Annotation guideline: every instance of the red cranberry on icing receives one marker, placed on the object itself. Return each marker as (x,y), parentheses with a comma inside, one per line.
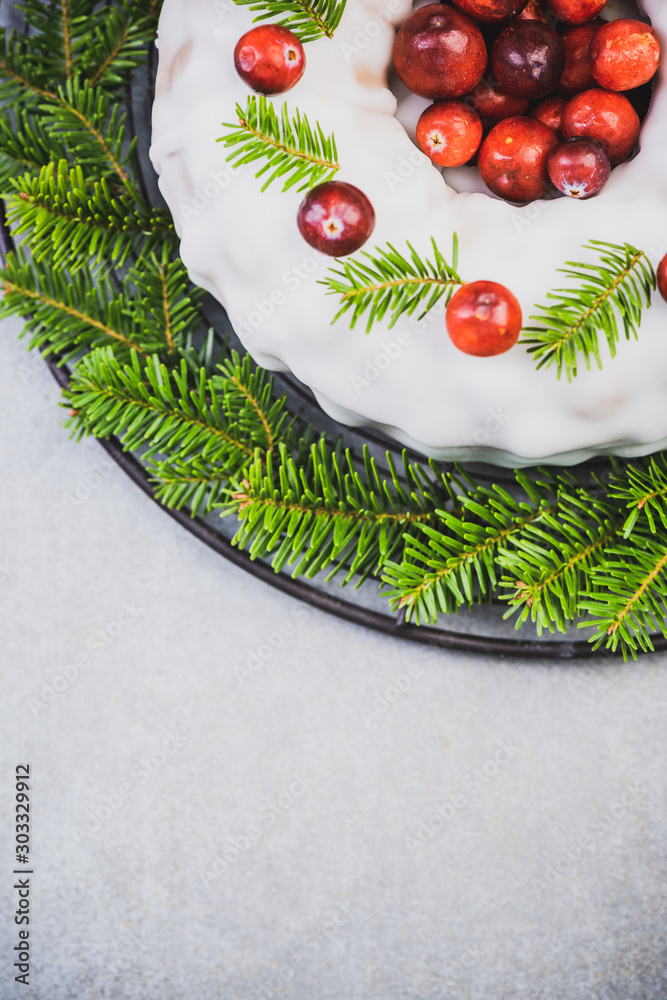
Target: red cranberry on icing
(576,11)
(605,116)
(579,167)
(578,75)
(528,58)
(549,111)
(270,59)
(483,319)
(449,132)
(336,218)
(490,11)
(513,158)
(492,103)
(439,52)
(662,277)
(624,54)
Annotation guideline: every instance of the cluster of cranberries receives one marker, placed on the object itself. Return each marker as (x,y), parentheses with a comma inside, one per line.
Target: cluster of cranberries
(552,108)
(441,54)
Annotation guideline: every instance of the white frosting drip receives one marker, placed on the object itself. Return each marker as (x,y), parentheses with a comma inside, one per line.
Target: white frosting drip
(244,247)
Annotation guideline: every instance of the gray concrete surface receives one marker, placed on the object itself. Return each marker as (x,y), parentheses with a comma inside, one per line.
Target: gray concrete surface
(206,831)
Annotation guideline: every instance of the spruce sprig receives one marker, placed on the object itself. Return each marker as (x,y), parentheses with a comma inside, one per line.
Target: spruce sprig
(643,489)
(67,313)
(323,510)
(607,298)
(25,147)
(455,563)
(308,19)
(388,281)
(75,223)
(294,151)
(549,564)
(629,600)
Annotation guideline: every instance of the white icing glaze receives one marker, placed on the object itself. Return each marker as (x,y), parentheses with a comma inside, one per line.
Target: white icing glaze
(244,247)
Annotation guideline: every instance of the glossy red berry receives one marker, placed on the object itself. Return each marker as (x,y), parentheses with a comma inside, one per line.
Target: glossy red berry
(578,75)
(270,59)
(483,319)
(336,218)
(492,103)
(576,11)
(624,54)
(549,111)
(605,116)
(579,167)
(513,159)
(439,52)
(662,277)
(449,132)
(528,58)
(490,11)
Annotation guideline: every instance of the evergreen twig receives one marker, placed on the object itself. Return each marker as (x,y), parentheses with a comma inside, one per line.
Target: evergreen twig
(308,19)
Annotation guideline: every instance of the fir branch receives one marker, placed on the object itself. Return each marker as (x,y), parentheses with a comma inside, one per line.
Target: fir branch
(390,282)
(308,19)
(456,562)
(643,488)
(293,150)
(118,45)
(74,223)
(67,313)
(616,289)
(198,485)
(25,146)
(172,411)
(23,78)
(549,564)
(320,511)
(629,602)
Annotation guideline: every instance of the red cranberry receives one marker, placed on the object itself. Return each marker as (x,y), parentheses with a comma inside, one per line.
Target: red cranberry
(449,132)
(579,167)
(439,52)
(528,58)
(483,319)
(513,159)
(576,11)
(270,59)
(662,277)
(336,218)
(578,75)
(624,54)
(549,111)
(492,103)
(533,11)
(490,11)
(607,117)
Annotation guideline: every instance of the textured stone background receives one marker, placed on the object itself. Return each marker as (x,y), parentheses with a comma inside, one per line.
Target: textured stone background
(201,833)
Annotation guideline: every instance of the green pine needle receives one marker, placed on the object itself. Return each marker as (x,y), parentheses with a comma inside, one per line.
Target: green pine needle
(606,298)
(321,511)
(293,150)
(391,282)
(308,20)
(74,223)
(643,488)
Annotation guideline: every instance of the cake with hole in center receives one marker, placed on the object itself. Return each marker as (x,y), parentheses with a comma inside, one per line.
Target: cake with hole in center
(447,221)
